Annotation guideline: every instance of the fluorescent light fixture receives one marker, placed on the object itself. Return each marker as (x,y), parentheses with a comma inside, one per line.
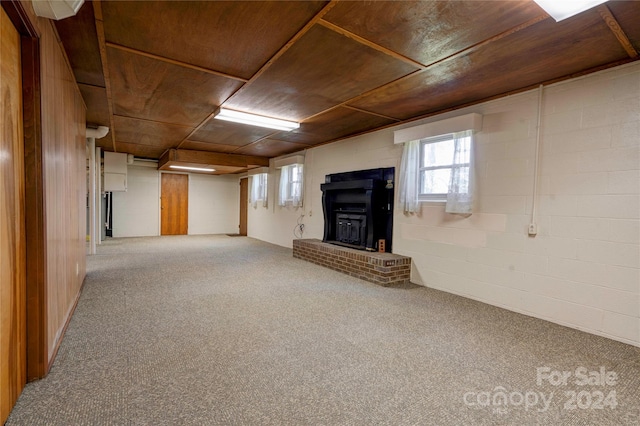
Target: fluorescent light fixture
(563,9)
(195,169)
(256,120)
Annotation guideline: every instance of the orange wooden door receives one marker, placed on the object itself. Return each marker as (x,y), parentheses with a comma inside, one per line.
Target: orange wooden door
(244,202)
(174,204)
(12,218)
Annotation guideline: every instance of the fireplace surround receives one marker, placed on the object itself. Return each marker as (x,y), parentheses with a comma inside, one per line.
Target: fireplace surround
(358,209)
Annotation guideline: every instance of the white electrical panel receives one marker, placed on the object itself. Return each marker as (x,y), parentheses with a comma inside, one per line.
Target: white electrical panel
(115,172)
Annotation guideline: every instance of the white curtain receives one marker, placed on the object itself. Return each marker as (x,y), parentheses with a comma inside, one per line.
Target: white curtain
(258,190)
(460,194)
(283,189)
(410,177)
(297,185)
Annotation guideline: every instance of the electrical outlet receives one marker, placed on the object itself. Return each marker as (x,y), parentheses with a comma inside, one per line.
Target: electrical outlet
(533,229)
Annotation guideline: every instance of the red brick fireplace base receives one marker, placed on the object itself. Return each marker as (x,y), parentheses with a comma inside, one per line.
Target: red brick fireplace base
(385,269)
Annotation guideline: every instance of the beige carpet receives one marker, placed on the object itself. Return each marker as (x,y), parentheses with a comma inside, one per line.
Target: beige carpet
(211,330)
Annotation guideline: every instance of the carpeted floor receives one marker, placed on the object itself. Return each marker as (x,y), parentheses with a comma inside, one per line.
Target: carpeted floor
(214,330)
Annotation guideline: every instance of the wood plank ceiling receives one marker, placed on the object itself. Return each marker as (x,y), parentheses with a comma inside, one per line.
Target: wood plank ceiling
(156,71)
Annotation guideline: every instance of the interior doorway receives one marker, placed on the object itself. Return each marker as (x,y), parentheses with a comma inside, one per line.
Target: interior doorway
(244,204)
(174,204)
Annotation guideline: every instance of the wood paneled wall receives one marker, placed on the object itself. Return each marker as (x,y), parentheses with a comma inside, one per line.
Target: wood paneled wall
(55,167)
(12,228)
(64,162)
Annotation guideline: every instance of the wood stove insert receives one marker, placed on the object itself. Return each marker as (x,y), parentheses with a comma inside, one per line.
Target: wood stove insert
(358,208)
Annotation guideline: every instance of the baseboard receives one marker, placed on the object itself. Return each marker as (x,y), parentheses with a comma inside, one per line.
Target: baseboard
(52,358)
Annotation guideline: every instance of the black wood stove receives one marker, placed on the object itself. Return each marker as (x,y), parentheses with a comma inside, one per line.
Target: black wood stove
(358,208)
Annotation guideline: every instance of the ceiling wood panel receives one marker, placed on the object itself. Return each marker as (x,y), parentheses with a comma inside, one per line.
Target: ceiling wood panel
(105,143)
(141,151)
(332,125)
(321,70)
(95,98)
(209,147)
(628,16)
(229,133)
(431,30)
(81,45)
(342,68)
(270,148)
(236,38)
(148,133)
(155,90)
(543,52)
(183,156)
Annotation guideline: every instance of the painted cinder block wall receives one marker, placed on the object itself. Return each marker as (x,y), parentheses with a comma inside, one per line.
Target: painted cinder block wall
(213,204)
(582,269)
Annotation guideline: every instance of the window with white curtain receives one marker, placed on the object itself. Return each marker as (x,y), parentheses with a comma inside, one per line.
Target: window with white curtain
(291,185)
(436,165)
(438,168)
(258,193)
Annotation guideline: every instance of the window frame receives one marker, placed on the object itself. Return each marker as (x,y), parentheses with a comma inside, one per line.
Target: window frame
(435,197)
(292,171)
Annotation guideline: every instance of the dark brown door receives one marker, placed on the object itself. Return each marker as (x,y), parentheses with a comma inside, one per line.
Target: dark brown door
(13,358)
(244,202)
(174,204)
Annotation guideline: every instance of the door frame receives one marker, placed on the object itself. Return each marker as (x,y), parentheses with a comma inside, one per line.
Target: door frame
(35,220)
(243,205)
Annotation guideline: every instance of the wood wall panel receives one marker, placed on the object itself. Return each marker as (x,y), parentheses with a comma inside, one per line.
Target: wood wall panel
(63,146)
(12,229)
(55,189)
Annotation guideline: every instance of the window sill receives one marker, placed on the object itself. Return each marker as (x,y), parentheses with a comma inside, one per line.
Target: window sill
(433,200)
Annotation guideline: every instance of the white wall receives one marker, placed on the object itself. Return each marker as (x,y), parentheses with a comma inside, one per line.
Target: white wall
(135,212)
(213,204)
(273,223)
(583,267)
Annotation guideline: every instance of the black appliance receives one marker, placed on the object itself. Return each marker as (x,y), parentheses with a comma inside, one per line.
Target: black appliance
(358,208)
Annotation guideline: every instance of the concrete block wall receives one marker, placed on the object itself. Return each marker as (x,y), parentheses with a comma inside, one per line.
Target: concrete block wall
(582,269)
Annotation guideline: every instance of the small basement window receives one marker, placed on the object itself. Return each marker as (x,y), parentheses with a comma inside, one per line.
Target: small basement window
(437,164)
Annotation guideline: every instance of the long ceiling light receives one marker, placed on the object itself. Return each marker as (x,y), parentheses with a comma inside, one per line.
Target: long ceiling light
(563,9)
(255,120)
(195,169)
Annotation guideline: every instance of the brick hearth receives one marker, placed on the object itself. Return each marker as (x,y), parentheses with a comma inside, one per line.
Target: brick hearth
(385,269)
